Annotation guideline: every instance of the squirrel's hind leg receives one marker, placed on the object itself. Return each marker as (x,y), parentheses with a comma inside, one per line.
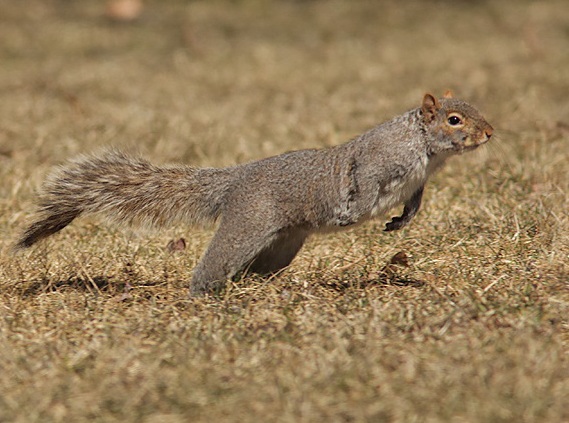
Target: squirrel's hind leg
(279,253)
(237,245)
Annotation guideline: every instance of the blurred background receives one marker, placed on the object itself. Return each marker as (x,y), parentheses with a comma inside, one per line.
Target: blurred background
(219,82)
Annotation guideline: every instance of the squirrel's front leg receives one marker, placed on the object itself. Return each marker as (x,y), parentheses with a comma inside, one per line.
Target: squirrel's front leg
(411,207)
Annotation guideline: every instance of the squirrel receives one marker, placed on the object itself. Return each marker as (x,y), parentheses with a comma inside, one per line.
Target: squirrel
(267,208)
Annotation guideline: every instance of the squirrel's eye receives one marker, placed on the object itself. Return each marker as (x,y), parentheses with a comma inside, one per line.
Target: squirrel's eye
(454,120)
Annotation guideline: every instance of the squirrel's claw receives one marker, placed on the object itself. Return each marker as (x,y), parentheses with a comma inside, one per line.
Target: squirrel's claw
(396,223)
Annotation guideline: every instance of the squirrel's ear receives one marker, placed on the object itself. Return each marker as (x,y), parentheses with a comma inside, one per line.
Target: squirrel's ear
(448,94)
(430,107)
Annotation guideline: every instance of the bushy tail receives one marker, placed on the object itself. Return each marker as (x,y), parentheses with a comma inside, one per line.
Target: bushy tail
(129,191)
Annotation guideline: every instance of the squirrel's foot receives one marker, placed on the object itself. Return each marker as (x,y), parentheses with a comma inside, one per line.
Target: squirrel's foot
(396,223)
(201,288)
(409,211)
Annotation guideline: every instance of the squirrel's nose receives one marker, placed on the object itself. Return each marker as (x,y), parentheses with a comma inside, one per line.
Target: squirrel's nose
(489,131)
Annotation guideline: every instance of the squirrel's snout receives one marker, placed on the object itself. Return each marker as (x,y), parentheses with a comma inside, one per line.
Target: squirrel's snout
(488,131)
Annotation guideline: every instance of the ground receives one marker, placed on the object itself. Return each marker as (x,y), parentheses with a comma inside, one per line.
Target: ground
(470,324)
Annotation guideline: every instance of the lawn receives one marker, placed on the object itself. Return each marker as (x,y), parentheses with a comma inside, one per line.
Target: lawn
(473,326)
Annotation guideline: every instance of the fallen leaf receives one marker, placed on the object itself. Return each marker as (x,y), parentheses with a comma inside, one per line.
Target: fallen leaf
(178,245)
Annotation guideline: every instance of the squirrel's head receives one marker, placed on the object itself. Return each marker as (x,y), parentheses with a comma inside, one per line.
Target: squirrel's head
(455,126)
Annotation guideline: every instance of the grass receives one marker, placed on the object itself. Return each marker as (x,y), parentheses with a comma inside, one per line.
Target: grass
(95,323)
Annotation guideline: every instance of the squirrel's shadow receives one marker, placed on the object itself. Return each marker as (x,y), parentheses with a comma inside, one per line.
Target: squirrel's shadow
(378,281)
(397,281)
(95,284)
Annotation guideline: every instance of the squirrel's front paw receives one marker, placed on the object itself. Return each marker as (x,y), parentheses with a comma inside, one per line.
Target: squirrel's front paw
(396,223)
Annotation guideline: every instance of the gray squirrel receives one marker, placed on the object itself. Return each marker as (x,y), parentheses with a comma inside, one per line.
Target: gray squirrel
(267,208)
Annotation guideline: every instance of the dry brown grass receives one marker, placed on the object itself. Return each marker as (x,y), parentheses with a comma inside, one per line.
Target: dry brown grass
(95,324)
